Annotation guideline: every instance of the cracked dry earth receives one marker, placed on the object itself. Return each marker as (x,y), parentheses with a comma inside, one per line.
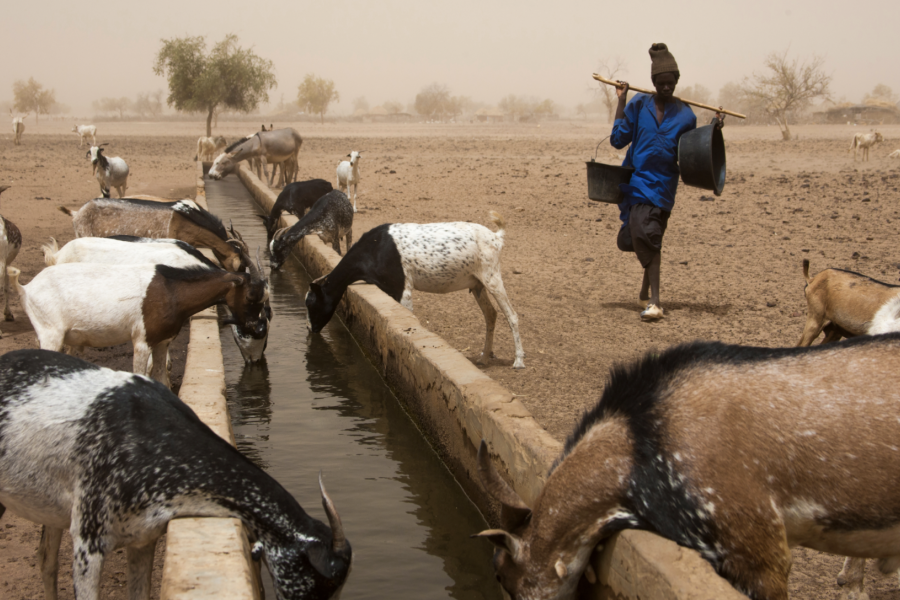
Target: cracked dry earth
(731,266)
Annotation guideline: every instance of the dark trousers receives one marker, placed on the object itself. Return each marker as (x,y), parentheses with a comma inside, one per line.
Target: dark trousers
(644,232)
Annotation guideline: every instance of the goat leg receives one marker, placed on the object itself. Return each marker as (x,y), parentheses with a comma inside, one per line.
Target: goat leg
(490,320)
(2,510)
(48,559)
(495,286)
(87,566)
(140,567)
(852,579)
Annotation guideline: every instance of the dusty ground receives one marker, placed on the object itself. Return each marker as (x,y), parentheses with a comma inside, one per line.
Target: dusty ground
(731,265)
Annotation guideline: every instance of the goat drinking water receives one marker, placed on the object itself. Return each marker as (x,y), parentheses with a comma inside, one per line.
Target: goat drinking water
(437,258)
(113,457)
(296,198)
(331,218)
(739,453)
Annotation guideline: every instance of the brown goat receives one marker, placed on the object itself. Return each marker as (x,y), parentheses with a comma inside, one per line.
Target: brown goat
(181,220)
(739,453)
(847,304)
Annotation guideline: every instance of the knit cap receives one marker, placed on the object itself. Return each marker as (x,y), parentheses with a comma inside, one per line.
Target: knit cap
(661,60)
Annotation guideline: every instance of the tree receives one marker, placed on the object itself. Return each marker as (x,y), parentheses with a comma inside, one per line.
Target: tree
(881,93)
(434,101)
(697,93)
(393,107)
(315,94)
(611,68)
(545,108)
(149,103)
(230,76)
(360,104)
(518,106)
(30,96)
(788,85)
(113,105)
(581,110)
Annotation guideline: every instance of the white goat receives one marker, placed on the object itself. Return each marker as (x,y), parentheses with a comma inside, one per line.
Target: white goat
(174,253)
(864,141)
(434,257)
(10,244)
(84,131)
(146,304)
(110,172)
(18,127)
(894,154)
(348,174)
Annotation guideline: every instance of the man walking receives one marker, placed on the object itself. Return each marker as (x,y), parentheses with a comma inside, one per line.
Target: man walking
(652,125)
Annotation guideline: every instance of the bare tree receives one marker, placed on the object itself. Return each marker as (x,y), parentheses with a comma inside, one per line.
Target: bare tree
(434,101)
(697,93)
(788,85)
(113,105)
(30,96)
(609,68)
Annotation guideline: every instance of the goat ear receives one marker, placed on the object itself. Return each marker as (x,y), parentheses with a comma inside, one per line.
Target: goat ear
(256,552)
(503,540)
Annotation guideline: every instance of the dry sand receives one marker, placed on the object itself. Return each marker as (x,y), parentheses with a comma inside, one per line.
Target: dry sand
(731,265)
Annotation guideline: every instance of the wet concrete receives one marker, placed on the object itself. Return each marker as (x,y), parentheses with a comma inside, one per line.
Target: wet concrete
(317,403)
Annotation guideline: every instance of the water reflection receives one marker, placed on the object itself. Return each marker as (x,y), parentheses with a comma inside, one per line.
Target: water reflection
(317,403)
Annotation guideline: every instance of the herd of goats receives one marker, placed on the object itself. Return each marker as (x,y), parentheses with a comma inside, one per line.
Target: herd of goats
(737,452)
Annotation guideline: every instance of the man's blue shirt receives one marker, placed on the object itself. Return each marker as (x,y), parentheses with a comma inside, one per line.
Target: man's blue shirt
(653,152)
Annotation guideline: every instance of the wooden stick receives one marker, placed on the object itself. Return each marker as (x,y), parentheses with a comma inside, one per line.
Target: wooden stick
(616,84)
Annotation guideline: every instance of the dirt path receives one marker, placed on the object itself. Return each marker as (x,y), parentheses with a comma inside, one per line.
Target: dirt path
(731,265)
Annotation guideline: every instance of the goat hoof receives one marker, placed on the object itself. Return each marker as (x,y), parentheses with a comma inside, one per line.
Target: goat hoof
(519,364)
(9,317)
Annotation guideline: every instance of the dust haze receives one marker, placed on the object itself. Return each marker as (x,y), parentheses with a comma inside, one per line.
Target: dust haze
(389,50)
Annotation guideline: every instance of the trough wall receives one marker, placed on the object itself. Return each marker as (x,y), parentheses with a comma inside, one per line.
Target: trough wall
(207,557)
(456,405)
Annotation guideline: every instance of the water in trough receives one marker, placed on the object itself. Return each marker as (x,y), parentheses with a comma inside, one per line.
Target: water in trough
(316,403)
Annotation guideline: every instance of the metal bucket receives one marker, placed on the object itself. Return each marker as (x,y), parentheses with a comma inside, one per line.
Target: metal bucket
(701,158)
(604,180)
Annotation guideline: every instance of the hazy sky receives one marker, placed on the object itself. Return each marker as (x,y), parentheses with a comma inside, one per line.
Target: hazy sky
(390,49)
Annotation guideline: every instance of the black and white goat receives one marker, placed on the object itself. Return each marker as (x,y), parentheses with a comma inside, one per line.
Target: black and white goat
(113,457)
(296,199)
(10,244)
(739,453)
(146,304)
(110,172)
(435,257)
(331,218)
(348,174)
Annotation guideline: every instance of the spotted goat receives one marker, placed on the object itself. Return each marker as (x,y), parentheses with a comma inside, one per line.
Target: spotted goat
(435,257)
(134,457)
(331,218)
(739,453)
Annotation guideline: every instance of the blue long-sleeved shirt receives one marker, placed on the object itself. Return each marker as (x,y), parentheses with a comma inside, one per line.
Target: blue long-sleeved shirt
(653,152)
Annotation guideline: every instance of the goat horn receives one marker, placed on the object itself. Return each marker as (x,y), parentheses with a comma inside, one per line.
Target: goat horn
(339,542)
(513,511)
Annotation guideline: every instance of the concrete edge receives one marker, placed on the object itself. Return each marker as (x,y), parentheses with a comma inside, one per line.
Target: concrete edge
(434,381)
(207,557)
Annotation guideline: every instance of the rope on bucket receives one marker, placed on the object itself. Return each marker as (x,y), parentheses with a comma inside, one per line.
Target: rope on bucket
(598,148)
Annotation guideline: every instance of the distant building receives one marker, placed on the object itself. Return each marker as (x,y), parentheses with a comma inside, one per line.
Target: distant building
(490,115)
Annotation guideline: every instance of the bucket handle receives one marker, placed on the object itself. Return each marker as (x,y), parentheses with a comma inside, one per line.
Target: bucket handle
(593,159)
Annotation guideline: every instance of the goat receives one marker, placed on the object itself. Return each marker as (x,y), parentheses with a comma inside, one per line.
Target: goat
(437,258)
(18,127)
(894,154)
(848,304)
(182,220)
(864,141)
(331,217)
(114,457)
(735,452)
(110,172)
(209,147)
(10,244)
(84,131)
(296,198)
(145,304)
(348,174)
(127,250)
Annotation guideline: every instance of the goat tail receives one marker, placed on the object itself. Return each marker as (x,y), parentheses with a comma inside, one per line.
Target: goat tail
(66,211)
(498,221)
(806,270)
(50,251)
(13,274)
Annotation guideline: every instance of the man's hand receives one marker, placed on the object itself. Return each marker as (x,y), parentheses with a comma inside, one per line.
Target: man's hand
(622,92)
(719,120)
